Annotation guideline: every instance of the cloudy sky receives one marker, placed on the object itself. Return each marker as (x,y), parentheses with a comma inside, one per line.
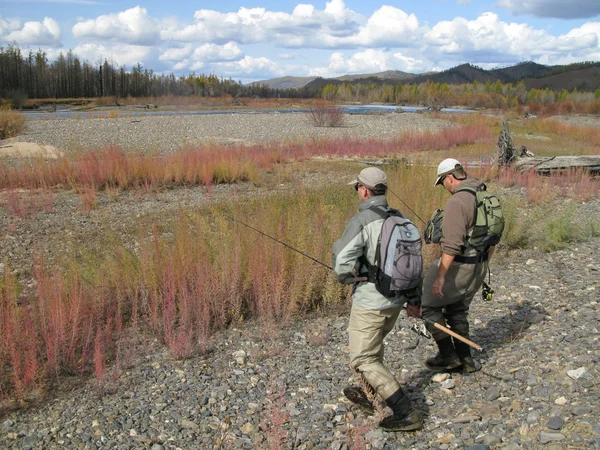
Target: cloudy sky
(260,39)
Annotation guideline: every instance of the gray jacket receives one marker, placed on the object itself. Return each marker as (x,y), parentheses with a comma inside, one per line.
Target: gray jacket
(360,238)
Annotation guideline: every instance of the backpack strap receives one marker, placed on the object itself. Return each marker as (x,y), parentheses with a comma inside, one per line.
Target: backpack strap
(481,187)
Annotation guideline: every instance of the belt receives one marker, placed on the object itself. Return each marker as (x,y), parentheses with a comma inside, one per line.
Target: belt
(471,259)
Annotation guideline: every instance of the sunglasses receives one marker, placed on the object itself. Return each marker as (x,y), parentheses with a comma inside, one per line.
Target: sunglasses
(356,186)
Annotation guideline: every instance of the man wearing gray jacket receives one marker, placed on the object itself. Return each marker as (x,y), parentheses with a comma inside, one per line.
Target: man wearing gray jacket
(372,316)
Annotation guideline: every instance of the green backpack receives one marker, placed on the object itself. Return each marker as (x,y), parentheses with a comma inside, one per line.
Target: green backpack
(489,220)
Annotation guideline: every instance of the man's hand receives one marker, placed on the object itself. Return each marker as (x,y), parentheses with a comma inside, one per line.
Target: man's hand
(413,311)
(438,286)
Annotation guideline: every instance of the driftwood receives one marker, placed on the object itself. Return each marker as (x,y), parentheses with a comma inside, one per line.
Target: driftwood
(547,165)
(524,160)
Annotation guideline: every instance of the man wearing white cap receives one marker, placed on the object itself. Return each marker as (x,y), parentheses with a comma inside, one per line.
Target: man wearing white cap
(453,280)
(373,315)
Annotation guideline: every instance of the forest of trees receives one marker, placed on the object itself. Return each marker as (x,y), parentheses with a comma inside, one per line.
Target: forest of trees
(33,76)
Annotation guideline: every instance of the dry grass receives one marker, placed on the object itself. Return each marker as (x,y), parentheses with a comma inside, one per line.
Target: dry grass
(198,271)
(12,123)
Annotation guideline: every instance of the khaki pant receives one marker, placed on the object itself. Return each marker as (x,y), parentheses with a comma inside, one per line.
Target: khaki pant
(366,331)
(462,282)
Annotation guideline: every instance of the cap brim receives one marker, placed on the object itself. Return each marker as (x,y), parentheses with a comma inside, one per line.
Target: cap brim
(438,179)
(353,181)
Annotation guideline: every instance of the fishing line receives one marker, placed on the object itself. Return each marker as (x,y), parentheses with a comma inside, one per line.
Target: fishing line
(278,241)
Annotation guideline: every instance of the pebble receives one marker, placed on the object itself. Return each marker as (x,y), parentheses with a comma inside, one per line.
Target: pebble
(581,410)
(492,393)
(546,437)
(448,384)
(440,377)
(556,423)
(577,373)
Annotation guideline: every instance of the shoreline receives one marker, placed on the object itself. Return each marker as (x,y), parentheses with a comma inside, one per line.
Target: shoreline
(169,133)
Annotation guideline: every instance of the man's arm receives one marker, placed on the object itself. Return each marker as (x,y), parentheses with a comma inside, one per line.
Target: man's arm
(346,252)
(438,285)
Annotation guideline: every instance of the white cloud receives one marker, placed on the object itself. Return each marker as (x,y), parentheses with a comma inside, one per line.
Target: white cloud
(249,67)
(487,39)
(46,32)
(558,9)
(368,61)
(133,26)
(306,26)
(213,52)
(195,58)
(176,53)
(389,26)
(122,54)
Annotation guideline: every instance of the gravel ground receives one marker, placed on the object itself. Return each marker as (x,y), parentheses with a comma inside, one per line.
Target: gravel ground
(271,387)
(280,387)
(157,132)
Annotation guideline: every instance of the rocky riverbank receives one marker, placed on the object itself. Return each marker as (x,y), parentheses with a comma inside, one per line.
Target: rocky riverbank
(170,132)
(280,387)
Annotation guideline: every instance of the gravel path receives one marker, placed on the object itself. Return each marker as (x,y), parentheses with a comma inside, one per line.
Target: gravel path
(157,132)
(281,387)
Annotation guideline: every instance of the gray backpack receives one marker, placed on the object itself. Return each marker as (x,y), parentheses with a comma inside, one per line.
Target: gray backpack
(398,268)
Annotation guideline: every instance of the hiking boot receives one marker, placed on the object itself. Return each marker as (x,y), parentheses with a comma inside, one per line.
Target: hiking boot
(409,422)
(468,364)
(404,417)
(446,359)
(439,362)
(358,397)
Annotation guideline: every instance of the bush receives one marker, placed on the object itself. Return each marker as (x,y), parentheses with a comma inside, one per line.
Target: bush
(322,115)
(12,123)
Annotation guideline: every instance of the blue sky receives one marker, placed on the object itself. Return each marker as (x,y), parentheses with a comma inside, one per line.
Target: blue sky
(262,39)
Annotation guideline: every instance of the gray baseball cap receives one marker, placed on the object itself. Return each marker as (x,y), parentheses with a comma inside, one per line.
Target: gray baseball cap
(370,177)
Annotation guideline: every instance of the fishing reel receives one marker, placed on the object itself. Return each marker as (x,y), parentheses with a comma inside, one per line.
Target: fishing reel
(487,293)
(421,330)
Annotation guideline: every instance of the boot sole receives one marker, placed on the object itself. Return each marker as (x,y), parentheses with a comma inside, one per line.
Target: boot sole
(363,403)
(448,367)
(411,427)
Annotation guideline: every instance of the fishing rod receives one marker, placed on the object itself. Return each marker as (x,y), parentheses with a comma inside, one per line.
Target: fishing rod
(278,241)
(411,210)
(423,333)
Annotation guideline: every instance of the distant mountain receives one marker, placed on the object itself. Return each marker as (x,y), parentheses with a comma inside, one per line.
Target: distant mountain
(465,73)
(585,79)
(286,82)
(386,75)
(583,76)
(522,70)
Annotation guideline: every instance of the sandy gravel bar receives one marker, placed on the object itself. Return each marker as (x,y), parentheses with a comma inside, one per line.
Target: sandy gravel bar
(168,133)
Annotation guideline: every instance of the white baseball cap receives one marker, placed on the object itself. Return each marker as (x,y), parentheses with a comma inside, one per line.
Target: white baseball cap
(446,167)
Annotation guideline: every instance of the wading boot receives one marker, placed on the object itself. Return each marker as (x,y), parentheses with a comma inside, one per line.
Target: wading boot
(357,396)
(464,354)
(468,364)
(404,417)
(446,359)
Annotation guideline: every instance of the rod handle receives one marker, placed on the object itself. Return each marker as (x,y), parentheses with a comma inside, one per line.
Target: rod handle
(458,336)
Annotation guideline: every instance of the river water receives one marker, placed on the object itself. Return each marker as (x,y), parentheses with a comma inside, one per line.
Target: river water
(67,112)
